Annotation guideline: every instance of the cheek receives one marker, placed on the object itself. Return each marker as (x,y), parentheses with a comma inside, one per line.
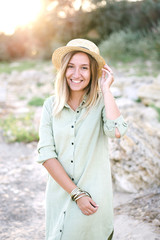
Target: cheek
(88,76)
(67,74)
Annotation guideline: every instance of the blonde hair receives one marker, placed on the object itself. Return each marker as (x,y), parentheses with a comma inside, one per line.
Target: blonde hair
(62,89)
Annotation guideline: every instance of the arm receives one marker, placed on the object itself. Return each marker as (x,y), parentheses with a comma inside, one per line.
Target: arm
(58,173)
(56,170)
(111,109)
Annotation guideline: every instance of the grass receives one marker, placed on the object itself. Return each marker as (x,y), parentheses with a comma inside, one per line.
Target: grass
(16,66)
(21,65)
(36,101)
(138,100)
(19,129)
(157,110)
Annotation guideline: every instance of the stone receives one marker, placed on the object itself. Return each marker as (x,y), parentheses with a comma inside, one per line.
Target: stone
(136,165)
(116,92)
(150,93)
(3,93)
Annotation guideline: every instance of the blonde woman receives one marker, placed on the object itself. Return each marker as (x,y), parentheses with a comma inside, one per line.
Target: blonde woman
(73,145)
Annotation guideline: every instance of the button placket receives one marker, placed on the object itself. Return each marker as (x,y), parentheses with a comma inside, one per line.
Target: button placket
(73,127)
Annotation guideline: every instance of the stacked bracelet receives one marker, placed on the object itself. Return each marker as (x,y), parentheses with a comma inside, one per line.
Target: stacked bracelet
(77,193)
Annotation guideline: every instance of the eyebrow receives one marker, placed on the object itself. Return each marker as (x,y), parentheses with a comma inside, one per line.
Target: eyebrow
(84,64)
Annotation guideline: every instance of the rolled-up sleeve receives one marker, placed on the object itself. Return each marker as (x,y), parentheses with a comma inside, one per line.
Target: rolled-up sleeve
(110,126)
(46,145)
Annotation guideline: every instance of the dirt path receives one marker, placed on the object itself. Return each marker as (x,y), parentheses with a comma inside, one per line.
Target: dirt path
(22,200)
(22,193)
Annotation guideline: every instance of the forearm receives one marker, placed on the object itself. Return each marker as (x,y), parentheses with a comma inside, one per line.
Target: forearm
(112,111)
(58,173)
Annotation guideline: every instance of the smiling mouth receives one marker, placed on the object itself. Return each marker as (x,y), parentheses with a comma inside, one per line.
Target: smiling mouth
(76,81)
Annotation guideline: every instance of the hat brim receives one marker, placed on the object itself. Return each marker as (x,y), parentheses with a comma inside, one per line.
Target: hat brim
(59,53)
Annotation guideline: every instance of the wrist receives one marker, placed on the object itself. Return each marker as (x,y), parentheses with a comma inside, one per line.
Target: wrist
(77,193)
(106,91)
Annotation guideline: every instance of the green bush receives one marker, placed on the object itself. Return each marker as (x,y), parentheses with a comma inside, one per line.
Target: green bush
(19,129)
(36,101)
(127,45)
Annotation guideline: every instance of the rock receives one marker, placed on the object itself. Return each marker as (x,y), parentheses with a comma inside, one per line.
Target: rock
(156,222)
(136,165)
(116,92)
(125,103)
(3,93)
(131,93)
(150,93)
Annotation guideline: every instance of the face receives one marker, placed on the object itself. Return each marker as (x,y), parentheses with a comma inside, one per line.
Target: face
(78,72)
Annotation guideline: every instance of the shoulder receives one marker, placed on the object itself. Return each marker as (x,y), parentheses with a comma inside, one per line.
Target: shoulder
(49,100)
(48,103)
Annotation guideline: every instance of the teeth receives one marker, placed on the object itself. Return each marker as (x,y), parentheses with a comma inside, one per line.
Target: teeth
(75,81)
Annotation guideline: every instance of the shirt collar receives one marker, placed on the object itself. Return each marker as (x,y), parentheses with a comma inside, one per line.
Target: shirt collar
(81,104)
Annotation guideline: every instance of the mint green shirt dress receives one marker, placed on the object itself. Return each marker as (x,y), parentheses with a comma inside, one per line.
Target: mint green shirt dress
(80,143)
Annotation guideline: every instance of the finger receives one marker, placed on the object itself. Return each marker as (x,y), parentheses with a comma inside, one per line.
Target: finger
(92,209)
(110,75)
(88,212)
(107,71)
(93,204)
(107,67)
(85,212)
(103,74)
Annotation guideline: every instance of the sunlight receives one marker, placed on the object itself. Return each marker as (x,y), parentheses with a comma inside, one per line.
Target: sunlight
(87,6)
(16,13)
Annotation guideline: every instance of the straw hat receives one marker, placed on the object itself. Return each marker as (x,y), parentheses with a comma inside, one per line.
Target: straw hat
(78,45)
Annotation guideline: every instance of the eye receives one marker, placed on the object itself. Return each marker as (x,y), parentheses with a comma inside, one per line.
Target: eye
(69,66)
(85,68)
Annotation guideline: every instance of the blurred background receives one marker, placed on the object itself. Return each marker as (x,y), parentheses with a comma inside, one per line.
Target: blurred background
(128,35)
(123,29)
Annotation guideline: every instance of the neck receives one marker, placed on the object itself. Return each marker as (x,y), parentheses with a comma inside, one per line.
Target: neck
(76,96)
(75,99)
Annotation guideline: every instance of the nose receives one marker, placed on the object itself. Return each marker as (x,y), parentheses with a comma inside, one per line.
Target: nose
(76,73)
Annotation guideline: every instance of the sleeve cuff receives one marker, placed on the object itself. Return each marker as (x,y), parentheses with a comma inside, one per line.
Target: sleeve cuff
(46,153)
(111,125)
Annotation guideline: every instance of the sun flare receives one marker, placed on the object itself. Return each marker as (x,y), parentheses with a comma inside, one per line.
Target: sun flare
(16,13)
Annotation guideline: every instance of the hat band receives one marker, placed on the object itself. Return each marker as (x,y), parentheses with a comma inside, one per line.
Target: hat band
(84,47)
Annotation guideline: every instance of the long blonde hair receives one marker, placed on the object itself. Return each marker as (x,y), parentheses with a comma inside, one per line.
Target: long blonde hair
(62,89)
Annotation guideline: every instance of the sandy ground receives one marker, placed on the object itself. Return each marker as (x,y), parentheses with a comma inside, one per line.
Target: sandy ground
(22,200)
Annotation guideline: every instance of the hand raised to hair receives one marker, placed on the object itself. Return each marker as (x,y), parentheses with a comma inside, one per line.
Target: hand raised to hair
(87,205)
(106,79)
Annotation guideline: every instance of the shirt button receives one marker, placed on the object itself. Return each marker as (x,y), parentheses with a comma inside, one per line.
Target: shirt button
(77,111)
(72,143)
(124,124)
(115,123)
(60,230)
(71,161)
(72,126)
(72,179)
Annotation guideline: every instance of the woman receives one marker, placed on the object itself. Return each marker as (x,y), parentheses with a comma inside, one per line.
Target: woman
(73,145)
